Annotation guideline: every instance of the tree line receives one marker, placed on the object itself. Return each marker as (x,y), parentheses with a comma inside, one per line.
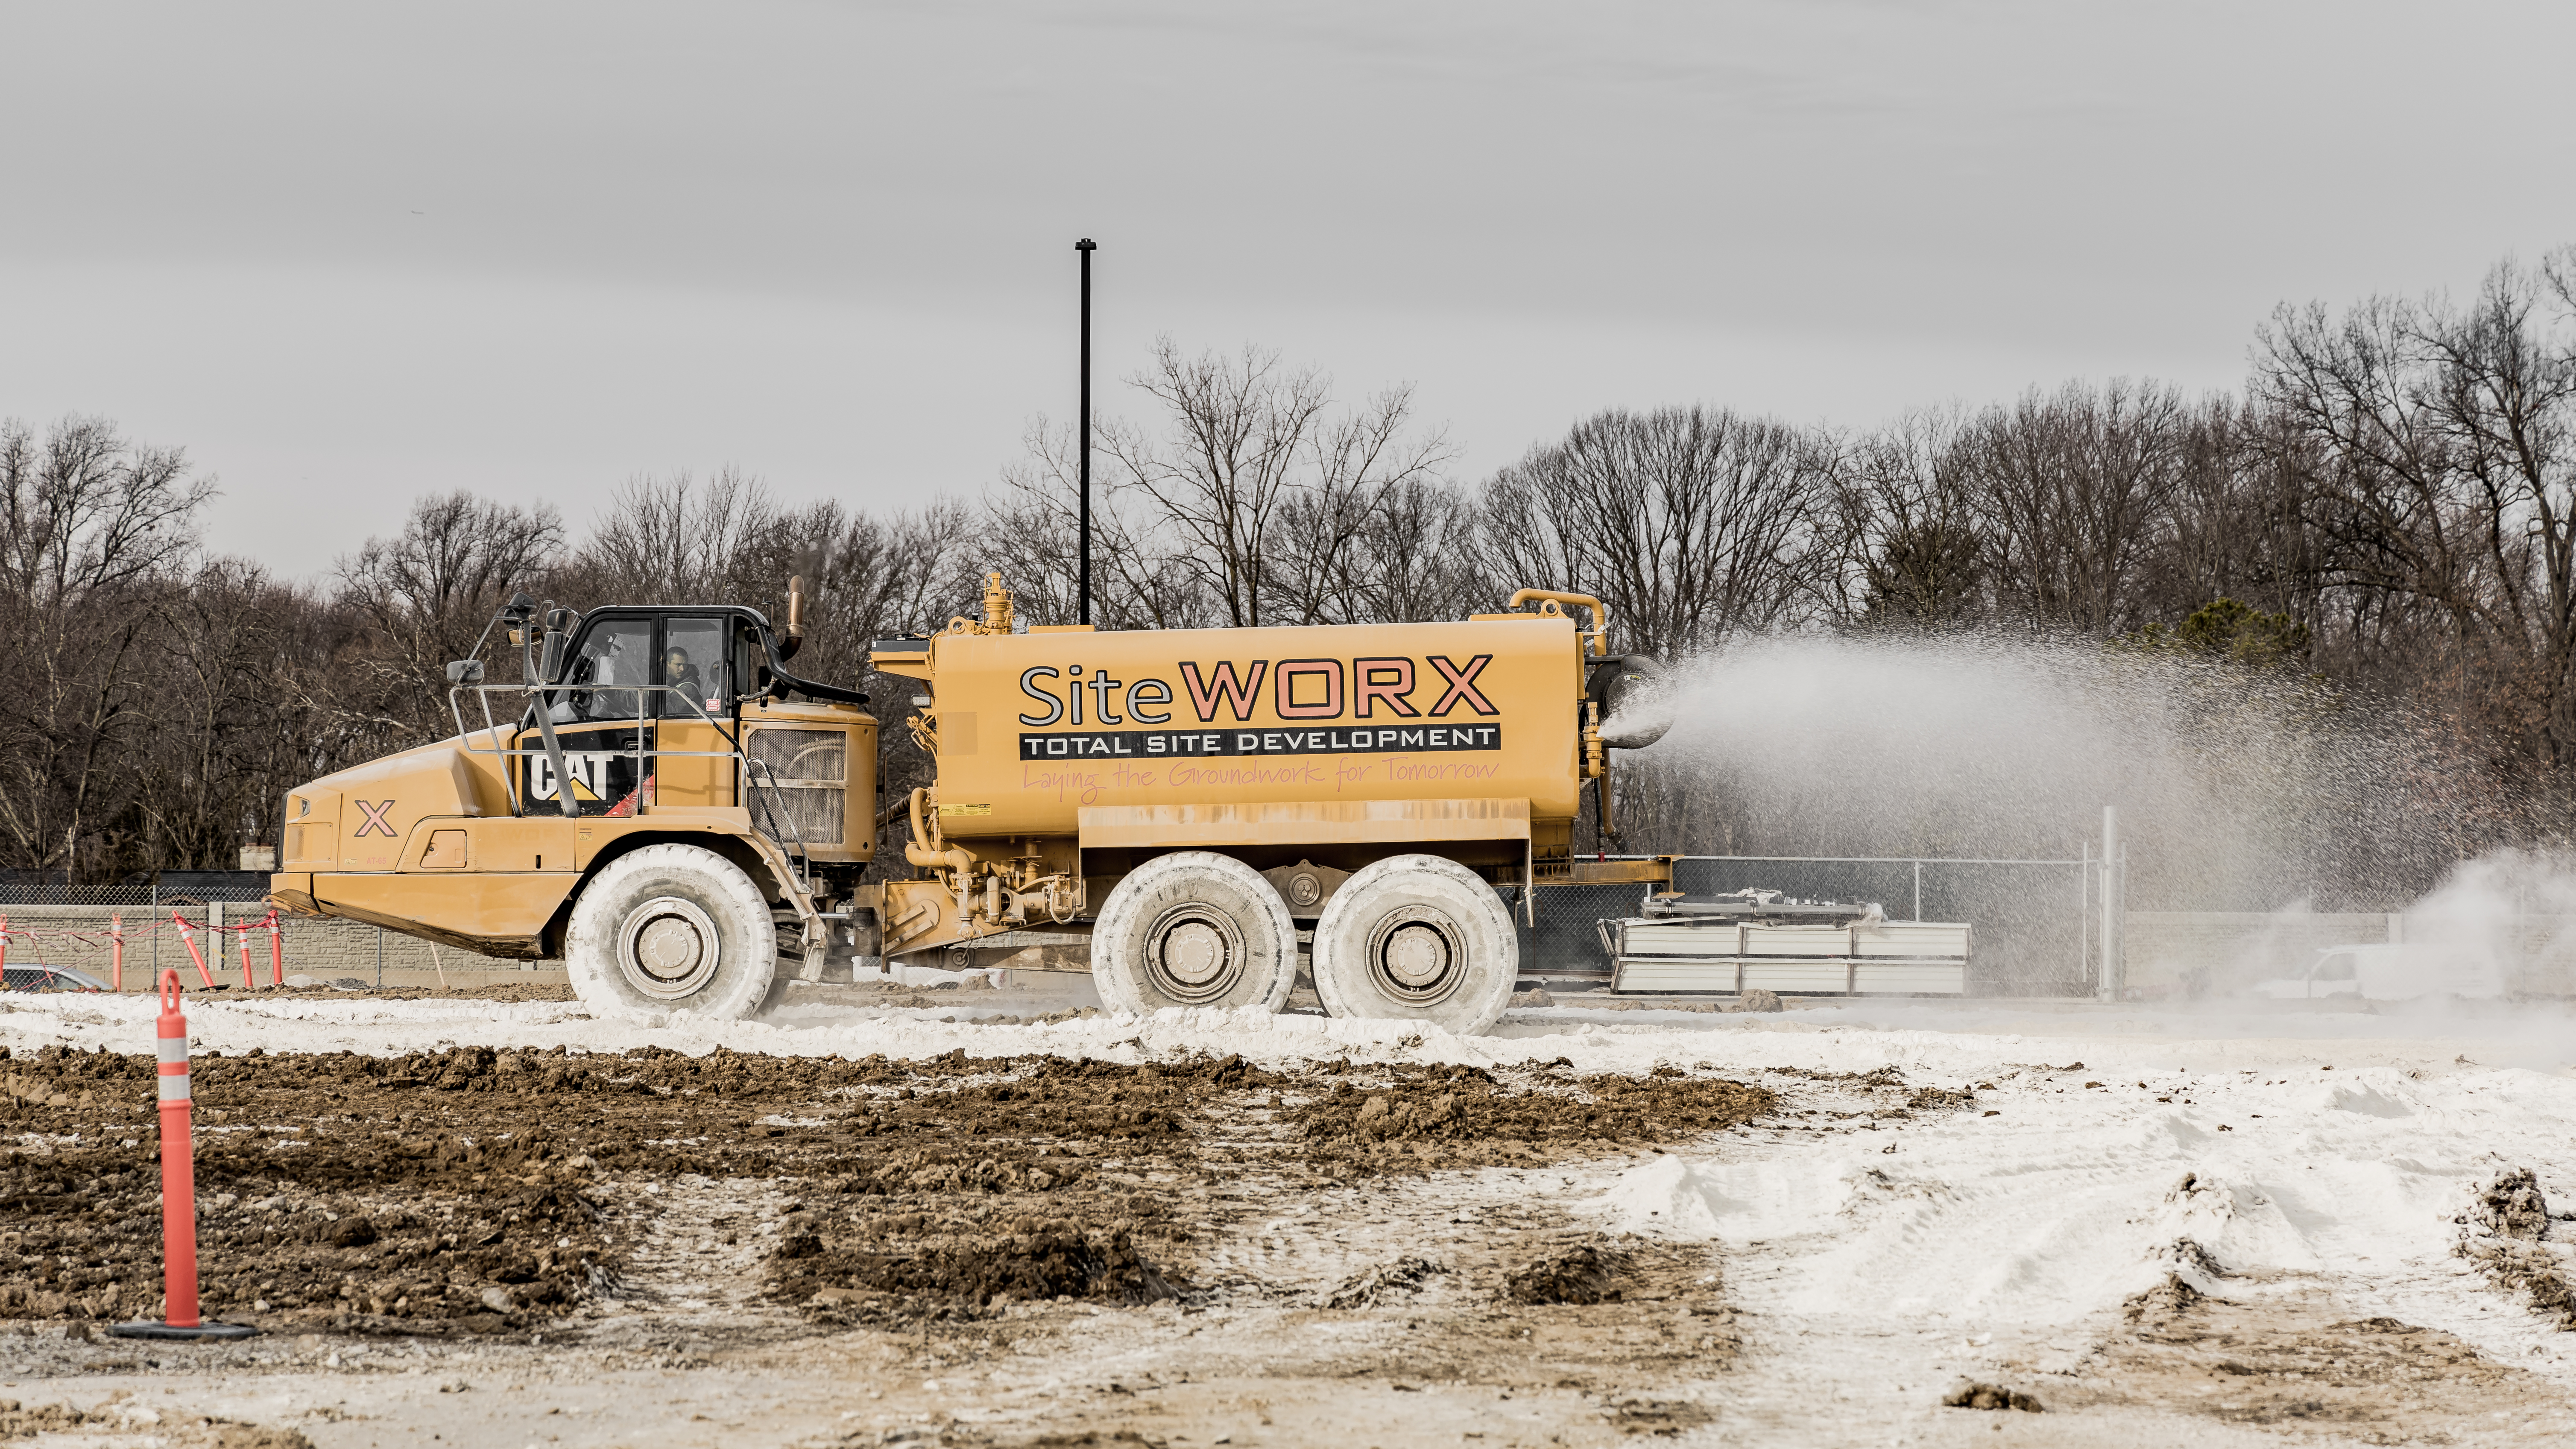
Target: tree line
(2388,505)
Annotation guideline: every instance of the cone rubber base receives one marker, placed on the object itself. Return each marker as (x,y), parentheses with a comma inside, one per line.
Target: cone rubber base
(148,1329)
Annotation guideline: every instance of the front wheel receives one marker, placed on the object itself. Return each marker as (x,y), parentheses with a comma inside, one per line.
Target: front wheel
(669,928)
(1418,938)
(1194,928)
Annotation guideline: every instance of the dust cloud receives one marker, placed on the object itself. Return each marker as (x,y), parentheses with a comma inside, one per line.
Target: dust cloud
(2239,788)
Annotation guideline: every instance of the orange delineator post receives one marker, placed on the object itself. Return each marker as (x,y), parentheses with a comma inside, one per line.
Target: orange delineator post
(4,942)
(276,953)
(116,951)
(178,1165)
(178,1191)
(242,933)
(193,953)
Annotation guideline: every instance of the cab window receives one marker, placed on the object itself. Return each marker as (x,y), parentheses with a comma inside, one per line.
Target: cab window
(2338,967)
(693,661)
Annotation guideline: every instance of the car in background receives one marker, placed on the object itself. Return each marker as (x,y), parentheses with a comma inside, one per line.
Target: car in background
(2392,971)
(14,977)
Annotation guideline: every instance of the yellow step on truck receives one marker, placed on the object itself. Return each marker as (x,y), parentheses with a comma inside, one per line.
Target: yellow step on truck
(1188,815)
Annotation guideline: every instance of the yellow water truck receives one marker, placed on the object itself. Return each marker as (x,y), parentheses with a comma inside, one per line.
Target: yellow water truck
(1176,811)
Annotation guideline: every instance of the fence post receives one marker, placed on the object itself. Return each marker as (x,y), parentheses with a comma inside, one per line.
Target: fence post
(1918,890)
(2114,905)
(380,958)
(2083,927)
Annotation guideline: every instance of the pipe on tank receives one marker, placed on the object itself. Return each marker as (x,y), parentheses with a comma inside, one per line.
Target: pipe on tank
(918,851)
(1600,615)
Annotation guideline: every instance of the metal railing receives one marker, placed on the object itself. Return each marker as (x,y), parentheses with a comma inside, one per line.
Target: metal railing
(754,779)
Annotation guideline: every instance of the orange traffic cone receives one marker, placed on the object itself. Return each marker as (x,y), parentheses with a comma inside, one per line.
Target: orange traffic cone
(178,1192)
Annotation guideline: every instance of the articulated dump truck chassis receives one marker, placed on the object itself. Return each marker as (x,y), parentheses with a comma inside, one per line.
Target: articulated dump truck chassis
(1192,816)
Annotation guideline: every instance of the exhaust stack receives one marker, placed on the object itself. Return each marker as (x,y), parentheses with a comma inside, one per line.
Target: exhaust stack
(794,638)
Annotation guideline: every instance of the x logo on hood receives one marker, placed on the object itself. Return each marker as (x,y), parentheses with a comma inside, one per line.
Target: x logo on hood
(375,819)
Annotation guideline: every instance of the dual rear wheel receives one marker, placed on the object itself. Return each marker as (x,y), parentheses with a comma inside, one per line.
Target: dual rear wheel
(1412,937)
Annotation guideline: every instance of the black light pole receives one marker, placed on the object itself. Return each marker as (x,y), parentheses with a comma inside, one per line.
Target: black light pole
(1086,246)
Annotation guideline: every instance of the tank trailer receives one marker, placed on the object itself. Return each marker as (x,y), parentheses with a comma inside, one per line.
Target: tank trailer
(1186,814)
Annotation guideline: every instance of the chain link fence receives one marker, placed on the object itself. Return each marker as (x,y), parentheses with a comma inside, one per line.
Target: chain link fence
(181,887)
(2036,922)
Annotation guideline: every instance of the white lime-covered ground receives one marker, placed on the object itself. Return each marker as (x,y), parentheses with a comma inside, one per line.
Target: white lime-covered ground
(2327,1157)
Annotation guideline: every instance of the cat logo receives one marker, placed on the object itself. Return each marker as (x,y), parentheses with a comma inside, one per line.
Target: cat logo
(589,771)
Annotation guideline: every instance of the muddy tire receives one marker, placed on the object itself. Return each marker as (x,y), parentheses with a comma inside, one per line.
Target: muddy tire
(1194,929)
(1417,938)
(671,928)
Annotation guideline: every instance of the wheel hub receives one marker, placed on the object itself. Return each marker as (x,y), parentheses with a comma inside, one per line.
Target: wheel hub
(1194,954)
(1417,955)
(667,948)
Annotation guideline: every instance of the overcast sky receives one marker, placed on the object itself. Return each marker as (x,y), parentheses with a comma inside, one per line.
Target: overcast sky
(349,254)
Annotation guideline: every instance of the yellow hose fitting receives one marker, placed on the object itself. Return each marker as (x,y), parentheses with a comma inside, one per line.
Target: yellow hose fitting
(1600,636)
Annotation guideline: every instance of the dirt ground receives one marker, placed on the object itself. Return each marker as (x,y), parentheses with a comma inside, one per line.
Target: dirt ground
(479,1246)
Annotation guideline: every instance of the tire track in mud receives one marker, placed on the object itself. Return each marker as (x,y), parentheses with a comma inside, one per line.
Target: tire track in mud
(488,1192)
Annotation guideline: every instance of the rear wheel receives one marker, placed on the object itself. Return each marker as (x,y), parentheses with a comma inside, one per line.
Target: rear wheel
(1419,938)
(671,928)
(1194,929)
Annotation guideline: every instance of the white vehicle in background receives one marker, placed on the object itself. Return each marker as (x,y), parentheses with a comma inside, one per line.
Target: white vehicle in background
(2392,972)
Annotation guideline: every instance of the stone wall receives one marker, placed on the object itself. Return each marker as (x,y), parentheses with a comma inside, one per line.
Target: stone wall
(78,937)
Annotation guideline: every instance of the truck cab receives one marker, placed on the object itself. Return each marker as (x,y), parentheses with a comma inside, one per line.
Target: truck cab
(634,728)
(2391,971)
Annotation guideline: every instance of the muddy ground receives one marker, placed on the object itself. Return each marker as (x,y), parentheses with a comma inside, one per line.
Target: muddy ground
(474,1197)
(471,1191)
(531,1246)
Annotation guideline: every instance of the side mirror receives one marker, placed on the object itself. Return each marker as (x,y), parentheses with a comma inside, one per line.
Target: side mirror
(465,671)
(550,662)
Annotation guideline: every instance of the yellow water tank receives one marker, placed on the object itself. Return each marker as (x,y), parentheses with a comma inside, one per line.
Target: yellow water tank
(1032,729)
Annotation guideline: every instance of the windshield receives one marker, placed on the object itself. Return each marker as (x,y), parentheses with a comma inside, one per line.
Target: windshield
(614,651)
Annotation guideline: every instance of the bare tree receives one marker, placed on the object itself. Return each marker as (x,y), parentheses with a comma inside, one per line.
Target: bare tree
(2439,445)
(675,539)
(93,529)
(1262,489)
(1329,563)
(2075,489)
(1690,523)
(1032,533)
(1905,530)
(424,596)
(1418,557)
